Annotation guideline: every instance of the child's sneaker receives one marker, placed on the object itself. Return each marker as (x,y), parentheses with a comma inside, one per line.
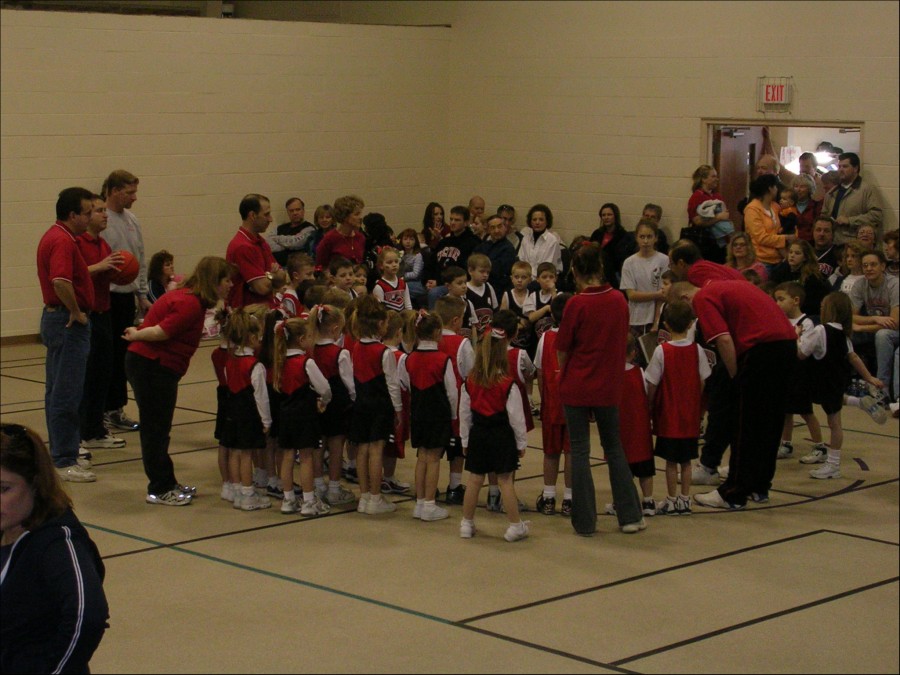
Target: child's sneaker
(566,508)
(314,508)
(467,528)
(818,455)
(363,503)
(390,485)
(254,502)
(827,470)
(432,511)
(289,506)
(874,408)
(517,531)
(785,450)
(340,496)
(455,495)
(493,502)
(546,505)
(227,492)
(648,506)
(321,492)
(668,507)
(610,509)
(683,505)
(378,504)
(350,474)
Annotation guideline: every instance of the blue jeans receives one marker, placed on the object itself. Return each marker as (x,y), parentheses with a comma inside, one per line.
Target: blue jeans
(886,344)
(67,357)
(435,293)
(584,499)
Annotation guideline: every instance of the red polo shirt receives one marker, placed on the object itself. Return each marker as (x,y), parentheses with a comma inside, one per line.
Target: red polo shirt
(93,250)
(252,257)
(180,314)
(58,257)
(742,310)
(593,334)
(704,271)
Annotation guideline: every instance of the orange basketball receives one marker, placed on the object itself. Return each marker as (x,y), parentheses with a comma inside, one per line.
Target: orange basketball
(127,271)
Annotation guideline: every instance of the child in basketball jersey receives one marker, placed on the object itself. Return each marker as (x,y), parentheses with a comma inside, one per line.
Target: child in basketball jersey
(675,377)
(247,416)
(395,448)
(390,289)
(302,394)
(478,291)
(492,430)
(514,300)
(832,351)
(377,405)
(789,296)
(537,309)
(553,419)
(634,429)
(325,325)
(450,310)
(454,279)
(427,374)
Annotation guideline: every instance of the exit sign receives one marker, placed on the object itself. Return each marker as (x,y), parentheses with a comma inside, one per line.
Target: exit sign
(774,93)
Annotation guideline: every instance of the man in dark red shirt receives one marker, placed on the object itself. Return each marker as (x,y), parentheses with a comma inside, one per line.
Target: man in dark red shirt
(68,296)
(250,254)
(758,346)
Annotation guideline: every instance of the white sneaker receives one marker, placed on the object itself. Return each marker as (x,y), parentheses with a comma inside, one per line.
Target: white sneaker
(895,409)
(340,496)
(104,442)
(253,502)
(818,455)
(432,512)
(517,531)
(417,510)
(378,504)
(289,506)
(363,502)
(827,470)
(76,474)
(700,475)
(873,407)
(227,492)
(714,500)
(634,528)
(170,498)
(785,450)
(467,528)
(314,508)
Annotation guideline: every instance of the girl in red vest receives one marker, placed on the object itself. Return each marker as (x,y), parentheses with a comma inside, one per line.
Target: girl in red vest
(675,377)
(492,430)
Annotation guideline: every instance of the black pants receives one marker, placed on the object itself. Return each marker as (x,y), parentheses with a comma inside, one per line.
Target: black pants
(96,377)
(156,392)
(721,418)
(122,312)
(762,380)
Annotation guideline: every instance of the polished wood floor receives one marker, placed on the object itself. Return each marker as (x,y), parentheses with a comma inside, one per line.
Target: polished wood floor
(806,583)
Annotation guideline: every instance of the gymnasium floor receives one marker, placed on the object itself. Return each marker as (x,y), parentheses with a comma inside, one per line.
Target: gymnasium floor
(807,583)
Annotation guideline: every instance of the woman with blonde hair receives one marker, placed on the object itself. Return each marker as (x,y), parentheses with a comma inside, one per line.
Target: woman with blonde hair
(742,256)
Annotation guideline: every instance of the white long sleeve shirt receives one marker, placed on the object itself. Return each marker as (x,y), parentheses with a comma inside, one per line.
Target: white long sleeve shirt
(513,408)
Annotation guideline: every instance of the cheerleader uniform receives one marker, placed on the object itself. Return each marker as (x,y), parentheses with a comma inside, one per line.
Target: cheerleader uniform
(831,370)
(553,417)
(377,392)
(397,448)
(429,376)
(462,358)
(246,402)
(521,369)
(634,423)
(492,426)
(289,304)
(334,363)
(394,296)
(678,368)
(484,300)
(537,300)
(302,384)
(524,335)
(219,357)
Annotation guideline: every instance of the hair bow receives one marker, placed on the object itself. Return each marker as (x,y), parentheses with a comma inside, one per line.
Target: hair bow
(321,310)
(498,333)
(421,315)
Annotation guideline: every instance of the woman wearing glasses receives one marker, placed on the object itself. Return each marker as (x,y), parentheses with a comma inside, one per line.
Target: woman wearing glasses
(53,611)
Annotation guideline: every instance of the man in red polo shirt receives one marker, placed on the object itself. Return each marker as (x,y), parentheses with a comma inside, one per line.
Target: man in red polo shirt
(68,296)
(758,346)
(250,254)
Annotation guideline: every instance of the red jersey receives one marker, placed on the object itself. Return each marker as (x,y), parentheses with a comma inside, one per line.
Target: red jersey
(180,314)
(551,406)
(252,257)
(634,418)
(677,410)
(93,250)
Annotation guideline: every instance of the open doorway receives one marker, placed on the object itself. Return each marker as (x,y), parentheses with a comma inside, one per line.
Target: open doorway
(734,148)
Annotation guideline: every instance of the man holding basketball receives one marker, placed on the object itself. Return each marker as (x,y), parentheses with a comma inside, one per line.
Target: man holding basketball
(123,232)
(65,328)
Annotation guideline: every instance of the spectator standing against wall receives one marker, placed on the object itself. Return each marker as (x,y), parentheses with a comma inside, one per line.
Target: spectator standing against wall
(853,202)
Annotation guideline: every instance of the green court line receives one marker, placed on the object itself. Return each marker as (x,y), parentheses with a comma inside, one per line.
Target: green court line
(275,575)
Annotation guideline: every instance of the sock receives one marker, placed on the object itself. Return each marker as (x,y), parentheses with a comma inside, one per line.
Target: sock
(309,497)
(567,494)
(319,482)
(247,490)
(274,482)
(466,521)
(288,495)
(549,492)
(427,502)
(834,456)
(494,490)
(854,401)
(820,446)
(420,502)
(455,480)
(236,487)
(391,477)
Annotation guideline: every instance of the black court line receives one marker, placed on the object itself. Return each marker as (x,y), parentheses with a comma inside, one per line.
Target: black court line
(638,577)
(751,622)
(22,379)
(8,403)
(863,537)
(862,465)
(140,459)
(23,365)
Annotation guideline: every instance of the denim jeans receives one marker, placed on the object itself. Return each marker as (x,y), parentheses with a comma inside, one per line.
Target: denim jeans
(886,343)
(435,294)
(67,357)
(97,376)
(584,499)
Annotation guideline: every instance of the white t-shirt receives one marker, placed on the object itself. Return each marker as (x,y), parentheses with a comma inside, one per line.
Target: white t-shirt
(643,274)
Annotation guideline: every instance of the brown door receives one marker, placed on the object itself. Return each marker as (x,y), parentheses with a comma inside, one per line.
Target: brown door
(735,150)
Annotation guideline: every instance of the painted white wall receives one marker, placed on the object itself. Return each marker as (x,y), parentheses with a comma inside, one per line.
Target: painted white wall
(571,104)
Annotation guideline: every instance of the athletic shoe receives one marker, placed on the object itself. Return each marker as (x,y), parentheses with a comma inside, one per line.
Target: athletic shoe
(683,505)
(363,502)
(274,491)
(378,504)
(350,474)
(648,506)
(546,505)
(417,510)
(227,492)
(170,498)
(566,509)
(119,420)
(455,495)
(895,409)
(818,455)
(187,490)
(668,507)
(321,492)
(493,502)
(760,497)
(84,461)
(432,512)
(874,408)
(714,500)
(609,509)
(827,470)
(467,528)
(516,531)
(103,442)
(390,485)
(76,474)
(785,450)
(700,475)
(253,502)
(289,506)
(314,508)
(634,528)
(340,496)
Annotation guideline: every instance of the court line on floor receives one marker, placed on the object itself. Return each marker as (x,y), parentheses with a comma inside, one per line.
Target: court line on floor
(752,622)
(360,598)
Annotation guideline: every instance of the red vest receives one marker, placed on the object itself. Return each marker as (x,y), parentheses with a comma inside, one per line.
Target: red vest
(551,407)
(634,418)
(676,410)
